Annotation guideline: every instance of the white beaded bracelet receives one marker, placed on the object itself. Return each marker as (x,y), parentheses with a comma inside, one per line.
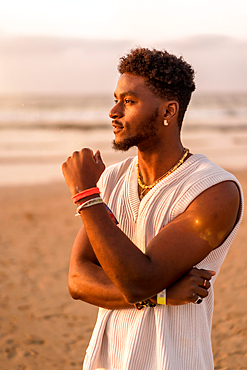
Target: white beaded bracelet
(88,203)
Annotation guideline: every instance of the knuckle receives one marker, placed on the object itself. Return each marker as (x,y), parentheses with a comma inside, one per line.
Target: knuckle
(191,294)
(193,279)
(64,165)
(75,153)
(196,271)
(203,273)
(190,273)
(86,151)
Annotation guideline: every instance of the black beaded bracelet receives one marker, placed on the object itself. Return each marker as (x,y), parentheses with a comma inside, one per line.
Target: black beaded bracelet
(140,305)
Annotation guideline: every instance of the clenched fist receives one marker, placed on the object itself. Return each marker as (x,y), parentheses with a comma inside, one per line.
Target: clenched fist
(82,170)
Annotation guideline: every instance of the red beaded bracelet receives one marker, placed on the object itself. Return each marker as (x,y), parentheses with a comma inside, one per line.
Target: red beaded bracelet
(84,194)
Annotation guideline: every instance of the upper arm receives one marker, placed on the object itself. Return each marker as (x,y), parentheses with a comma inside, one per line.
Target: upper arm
(189,238)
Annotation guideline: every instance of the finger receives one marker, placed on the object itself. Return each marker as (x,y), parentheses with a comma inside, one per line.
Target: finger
(204,283)
(201,292)
(86,152)
(205,274)
(212,272)
(74,154)
(98,157)
(198,293)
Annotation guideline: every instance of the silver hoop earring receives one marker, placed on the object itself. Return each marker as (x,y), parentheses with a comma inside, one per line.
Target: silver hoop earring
(165,122)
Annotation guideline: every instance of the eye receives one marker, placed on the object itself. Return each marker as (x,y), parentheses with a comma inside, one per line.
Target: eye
(128,101)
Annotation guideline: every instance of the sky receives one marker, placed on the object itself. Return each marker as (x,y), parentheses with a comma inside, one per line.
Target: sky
(131,19)
(73,46)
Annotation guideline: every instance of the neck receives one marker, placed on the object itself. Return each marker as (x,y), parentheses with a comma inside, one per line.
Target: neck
(153,163)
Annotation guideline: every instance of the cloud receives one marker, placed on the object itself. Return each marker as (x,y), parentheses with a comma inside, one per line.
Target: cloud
(59,65)
(220,61)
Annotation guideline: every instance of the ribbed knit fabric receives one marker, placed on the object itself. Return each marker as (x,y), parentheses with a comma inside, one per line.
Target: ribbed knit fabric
(164,337)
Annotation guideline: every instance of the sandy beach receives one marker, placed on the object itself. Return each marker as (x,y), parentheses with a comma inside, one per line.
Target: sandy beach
(41,327)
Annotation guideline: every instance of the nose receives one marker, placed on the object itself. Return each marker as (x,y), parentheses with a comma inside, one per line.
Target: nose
(116,112)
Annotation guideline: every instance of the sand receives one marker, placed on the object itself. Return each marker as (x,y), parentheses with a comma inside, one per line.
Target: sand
(41,327)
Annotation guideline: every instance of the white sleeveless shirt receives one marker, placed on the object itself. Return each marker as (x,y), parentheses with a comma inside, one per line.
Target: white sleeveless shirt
(164,337)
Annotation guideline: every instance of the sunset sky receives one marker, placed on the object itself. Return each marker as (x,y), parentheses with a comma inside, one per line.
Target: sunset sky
(137,20)
(73,46)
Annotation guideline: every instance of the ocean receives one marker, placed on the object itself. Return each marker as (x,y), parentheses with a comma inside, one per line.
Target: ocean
(38,133)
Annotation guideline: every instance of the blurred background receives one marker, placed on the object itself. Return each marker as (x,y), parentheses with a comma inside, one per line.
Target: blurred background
(58,72)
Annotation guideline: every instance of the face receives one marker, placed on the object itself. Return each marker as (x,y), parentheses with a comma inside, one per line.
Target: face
(136,114)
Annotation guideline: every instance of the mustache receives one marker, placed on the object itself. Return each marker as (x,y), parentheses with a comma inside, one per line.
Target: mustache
(115,122)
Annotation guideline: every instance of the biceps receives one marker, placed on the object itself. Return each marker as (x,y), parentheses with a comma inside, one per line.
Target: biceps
(176,249)
(189,238)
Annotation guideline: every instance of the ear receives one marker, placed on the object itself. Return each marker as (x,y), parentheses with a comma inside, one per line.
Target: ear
(171,110)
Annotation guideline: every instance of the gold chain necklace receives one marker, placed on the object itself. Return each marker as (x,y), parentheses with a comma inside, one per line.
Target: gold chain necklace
(145,187)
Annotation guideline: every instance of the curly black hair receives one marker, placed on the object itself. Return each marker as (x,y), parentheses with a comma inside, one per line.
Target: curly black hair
(167,76)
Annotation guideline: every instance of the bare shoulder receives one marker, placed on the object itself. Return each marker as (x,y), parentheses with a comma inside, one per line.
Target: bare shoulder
(222,196)
(218,208)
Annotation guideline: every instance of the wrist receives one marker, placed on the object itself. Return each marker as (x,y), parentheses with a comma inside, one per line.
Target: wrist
(78,189)
(82,195)
(88,203)
(79,202)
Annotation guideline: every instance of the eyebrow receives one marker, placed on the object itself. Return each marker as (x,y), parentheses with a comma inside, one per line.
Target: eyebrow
(122,95)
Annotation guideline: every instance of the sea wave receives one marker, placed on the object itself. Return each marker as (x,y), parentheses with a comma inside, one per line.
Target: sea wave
(206,112)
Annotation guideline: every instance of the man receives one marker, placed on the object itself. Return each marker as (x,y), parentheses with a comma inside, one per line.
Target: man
(175,210)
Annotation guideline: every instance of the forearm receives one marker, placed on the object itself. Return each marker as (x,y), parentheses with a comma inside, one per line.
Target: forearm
(90,284)
(126,266)
(93,286)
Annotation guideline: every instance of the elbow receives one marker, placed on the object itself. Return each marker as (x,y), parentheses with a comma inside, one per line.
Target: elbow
(74,290)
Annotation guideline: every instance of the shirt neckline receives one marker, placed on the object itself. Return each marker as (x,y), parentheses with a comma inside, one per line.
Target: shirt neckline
(136,204)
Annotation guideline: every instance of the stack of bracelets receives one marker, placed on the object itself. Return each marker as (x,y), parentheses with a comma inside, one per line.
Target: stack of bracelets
(79,199)
(161,299)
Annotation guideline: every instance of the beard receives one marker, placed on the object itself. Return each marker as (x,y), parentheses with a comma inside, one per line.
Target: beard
(148,129)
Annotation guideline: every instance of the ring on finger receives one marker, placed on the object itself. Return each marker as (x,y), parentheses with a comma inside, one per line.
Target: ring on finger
(198,300)
(205,282)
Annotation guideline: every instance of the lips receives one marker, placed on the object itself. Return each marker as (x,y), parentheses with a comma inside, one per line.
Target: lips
(117,126)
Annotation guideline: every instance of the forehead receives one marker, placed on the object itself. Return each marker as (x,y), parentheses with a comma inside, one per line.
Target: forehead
(128,83)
